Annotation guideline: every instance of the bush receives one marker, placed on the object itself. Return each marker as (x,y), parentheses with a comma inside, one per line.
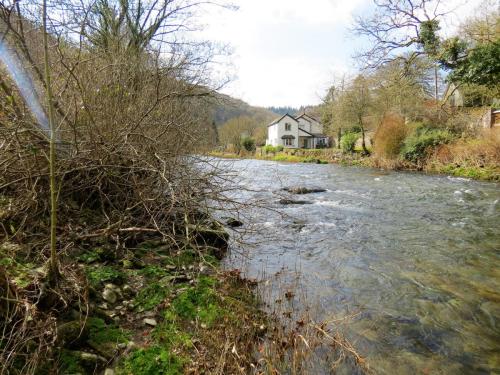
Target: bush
(269,149)
(272,149)
(416,146)
(348,142)
(248,144)
(389,137)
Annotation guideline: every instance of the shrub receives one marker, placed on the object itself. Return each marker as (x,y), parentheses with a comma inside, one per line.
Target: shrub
(348,142)
(248,144)
(416,145)
(389,137)
(272,149)
(269,149)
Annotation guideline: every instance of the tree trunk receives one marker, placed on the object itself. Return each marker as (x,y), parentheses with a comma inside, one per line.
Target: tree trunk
(339,136)
(54,264)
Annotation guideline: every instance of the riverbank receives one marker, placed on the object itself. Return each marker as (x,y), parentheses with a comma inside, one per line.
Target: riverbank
(462,168)
(152,308)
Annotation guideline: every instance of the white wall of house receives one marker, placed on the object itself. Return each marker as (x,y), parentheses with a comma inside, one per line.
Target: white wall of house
(304,124)
(276,131)
(310,125)
(316,127)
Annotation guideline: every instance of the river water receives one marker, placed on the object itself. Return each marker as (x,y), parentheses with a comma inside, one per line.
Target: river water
(414,259)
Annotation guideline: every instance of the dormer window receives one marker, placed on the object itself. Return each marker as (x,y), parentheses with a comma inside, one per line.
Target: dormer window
(288,126)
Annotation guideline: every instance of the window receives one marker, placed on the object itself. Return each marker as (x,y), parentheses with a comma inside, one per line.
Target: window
(288,142)
(288,126)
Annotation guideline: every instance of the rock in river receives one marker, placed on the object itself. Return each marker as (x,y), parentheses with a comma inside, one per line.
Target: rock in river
(292,201)
(303,190)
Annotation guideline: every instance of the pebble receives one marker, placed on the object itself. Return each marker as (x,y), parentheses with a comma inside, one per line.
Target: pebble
(109,295)
(150,322)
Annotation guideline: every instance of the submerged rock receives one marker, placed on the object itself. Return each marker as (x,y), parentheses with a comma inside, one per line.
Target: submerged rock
(293,201)
(232,222)
(303,190)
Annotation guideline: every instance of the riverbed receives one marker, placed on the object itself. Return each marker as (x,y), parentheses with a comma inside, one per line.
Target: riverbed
(412,259)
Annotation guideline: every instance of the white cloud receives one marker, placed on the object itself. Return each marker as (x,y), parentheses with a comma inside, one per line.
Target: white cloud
(287,51)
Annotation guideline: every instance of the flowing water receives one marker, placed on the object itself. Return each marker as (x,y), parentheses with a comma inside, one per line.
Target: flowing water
(415,258)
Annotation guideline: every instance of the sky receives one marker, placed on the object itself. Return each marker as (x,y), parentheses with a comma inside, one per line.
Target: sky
(288,52)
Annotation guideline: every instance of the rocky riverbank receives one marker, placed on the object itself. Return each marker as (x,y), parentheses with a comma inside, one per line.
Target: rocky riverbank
(151,309)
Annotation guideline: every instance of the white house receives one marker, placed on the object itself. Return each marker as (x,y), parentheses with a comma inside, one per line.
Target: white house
(302,131)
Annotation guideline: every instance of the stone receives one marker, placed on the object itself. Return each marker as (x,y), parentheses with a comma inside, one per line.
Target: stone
(150,322)
(109,371)
(109,295)
(303,190)
(232,222)
(128,291)
(89,360)
(103,306)
(292,201)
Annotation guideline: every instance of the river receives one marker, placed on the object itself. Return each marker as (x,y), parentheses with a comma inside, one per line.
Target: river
(412,258)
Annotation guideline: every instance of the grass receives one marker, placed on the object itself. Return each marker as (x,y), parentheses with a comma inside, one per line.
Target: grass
(476,173)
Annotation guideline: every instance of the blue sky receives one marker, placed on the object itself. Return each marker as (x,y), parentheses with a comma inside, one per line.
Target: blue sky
(288,52)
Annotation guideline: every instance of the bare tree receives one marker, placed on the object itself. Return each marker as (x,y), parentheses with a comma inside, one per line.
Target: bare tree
(401,29)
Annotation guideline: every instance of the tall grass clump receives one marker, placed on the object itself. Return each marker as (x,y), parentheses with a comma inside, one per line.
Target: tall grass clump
(389,138)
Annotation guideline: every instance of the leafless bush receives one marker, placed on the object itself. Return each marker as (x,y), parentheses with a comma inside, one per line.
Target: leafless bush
(131,95)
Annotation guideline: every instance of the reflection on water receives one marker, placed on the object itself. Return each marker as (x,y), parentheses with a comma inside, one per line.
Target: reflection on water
(415,256)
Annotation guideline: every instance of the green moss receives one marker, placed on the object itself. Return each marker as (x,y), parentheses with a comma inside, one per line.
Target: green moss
(104,274)
(170,335)
(154,271)
(199,302)
(69,363)
(151,296)
(155,360)
(100,332)
(92,256)
(20,273)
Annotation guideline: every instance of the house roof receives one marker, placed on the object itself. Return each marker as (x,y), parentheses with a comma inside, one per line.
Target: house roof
(314,135)
(306,117)
(282,117)
(308,134)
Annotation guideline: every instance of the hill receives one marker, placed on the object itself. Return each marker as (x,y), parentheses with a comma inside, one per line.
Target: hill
(226,108)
